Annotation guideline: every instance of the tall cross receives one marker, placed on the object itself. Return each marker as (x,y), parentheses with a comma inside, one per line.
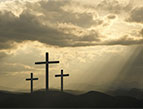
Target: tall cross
(61,75)
(47,62)
(31,79)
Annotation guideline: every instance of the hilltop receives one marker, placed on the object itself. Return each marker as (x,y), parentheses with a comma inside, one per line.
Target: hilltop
(59,99)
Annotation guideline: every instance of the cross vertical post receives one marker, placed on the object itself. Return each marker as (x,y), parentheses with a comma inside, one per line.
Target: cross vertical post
(61,80)
(62,75)
(47,71)
(31,82)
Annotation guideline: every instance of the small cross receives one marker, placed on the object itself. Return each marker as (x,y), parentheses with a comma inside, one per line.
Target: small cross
(31,79)
(61,75)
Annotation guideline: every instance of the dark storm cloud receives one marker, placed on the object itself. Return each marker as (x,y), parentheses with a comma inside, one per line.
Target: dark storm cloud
(12,68)
(5,45)
(111,16)
(113,6)
(136,15)
(43,28)
(28,27)
(125,40)
(54,12)
(3,55)
(141,32)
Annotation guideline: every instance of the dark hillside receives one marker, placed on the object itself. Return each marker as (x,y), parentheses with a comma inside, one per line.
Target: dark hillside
(64,99)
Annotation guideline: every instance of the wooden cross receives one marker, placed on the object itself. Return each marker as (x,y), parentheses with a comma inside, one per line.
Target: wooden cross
(47,62)
(31,79)
(61,75)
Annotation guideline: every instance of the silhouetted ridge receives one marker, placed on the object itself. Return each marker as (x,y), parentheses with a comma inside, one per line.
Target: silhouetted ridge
(134,92)
(54,98)
(97,99)
(94,93)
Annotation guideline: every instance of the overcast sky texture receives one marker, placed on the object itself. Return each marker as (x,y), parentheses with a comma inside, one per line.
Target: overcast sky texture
(98,42)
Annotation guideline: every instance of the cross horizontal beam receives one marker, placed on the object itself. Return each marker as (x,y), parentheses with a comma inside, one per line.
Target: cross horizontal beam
(28,79)
(61,75)
(40,62)
(35,78)
(50,62)
(53,62)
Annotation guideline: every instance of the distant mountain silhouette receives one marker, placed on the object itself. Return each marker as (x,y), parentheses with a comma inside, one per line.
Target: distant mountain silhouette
(63,99)
(74,92)
(134,92)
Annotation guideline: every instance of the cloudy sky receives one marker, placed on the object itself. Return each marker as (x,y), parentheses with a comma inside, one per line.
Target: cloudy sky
(98,42)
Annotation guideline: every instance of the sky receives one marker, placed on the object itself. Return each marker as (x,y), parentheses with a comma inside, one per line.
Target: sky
(98,42)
